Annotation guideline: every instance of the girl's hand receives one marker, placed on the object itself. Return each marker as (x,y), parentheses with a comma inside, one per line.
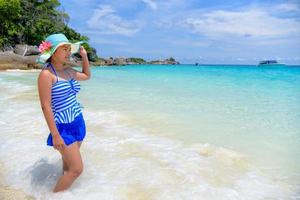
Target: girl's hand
(82,52)
(58,142)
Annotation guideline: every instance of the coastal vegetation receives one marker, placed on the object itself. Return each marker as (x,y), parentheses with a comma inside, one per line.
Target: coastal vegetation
(26,23)
(31,21)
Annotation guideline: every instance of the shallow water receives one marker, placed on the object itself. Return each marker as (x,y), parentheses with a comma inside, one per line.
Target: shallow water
(164,132)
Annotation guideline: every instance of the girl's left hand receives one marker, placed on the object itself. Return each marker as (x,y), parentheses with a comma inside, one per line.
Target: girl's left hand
(82,52)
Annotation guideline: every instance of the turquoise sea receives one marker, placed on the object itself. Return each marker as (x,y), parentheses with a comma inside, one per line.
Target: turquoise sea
(163,132)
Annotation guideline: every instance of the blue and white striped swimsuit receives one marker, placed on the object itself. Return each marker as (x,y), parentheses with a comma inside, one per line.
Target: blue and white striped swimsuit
(64,103)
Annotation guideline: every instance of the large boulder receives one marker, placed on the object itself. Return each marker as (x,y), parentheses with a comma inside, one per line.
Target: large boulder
(26,50)
(99,62)
(119,61)
(10,60)
(109,61)
(7,48)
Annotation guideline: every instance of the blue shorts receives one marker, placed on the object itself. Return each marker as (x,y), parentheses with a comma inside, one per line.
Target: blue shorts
(70,132)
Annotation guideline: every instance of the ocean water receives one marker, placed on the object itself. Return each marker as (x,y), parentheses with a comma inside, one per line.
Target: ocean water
(163,132)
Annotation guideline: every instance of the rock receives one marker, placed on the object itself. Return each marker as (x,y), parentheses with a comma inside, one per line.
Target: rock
(7,48)
(119,61)
(32,50)
(99,62)
(109,61)
(26,50)
(10,60)
(20,49)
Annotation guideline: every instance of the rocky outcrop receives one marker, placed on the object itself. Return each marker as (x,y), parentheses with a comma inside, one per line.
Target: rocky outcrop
(24,56)
(21,56)
(120,61)
(10,60)
(109,61)
(26,50)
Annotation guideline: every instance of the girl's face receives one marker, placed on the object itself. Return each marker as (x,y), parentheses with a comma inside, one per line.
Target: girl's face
(62,53)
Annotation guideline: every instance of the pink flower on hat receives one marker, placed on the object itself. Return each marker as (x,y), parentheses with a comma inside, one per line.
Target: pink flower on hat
(45,46)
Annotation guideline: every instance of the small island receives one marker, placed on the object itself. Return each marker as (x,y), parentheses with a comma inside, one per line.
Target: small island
(119,61)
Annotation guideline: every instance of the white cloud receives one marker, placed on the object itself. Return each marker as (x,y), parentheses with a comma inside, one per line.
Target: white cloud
(247,23)
(189,42)
(106,21)
(296,58)
(287,7)
(151,4)
(103,41)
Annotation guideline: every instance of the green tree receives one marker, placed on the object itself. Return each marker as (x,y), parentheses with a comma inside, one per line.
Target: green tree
(9,16)
(31,21)
(41,18)
(171,59)
(136,60)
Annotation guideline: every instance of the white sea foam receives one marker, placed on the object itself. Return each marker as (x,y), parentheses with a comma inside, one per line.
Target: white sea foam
(12,89)
(124,163)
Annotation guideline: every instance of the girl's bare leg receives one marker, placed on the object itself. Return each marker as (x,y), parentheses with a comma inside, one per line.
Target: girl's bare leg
(65,166)
(72,158)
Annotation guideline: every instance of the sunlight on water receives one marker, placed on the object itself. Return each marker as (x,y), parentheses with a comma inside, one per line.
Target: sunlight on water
(163,132)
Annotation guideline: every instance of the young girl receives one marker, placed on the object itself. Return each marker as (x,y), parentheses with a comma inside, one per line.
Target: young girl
(58,86)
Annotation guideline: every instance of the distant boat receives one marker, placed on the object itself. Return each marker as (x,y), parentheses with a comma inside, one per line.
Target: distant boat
(270,63)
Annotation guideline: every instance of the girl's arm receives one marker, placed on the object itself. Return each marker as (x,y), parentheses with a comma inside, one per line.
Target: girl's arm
(85,74)
(44,88)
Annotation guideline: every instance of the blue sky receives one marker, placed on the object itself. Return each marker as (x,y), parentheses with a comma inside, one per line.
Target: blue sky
(216,31)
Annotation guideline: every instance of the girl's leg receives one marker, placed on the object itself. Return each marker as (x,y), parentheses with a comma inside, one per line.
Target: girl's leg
(65,166)
(72,158)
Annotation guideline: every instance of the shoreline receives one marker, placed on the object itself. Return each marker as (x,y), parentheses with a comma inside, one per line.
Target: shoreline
(21,69)
(11,60)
